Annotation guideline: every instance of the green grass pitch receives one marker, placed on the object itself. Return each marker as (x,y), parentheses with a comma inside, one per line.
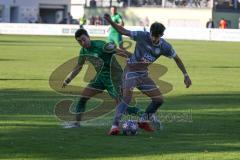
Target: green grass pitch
(29,129)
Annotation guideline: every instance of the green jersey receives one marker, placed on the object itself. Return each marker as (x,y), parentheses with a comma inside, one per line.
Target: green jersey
(103,62)
(117,19)
(109,71)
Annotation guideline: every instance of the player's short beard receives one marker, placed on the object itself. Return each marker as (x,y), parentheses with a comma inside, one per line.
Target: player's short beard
(155,42)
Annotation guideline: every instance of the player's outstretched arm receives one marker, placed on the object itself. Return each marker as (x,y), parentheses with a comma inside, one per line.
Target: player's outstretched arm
(73,74)
(181,66)
(119,28)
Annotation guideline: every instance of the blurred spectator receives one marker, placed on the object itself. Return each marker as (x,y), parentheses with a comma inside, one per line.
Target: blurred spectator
(206,3)
(69,18)
(114,36)
(239,22)
(82,21)
(223,4)
(197,3)
(181,3)
(145,23)
(167,3)
(75,21)
(122,3)
(158,2)
(63,21)
(125,3)
(31,19)
(93,4)
(98,21)
(210,24)
(92,20)
(39,19)
(104,22)
(134,3)
(223,24)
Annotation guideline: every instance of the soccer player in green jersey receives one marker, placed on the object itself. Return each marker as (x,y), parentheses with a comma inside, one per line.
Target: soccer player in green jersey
(95,52)
(114,36)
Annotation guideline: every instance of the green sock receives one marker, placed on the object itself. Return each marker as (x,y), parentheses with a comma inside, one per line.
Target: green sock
(81,105)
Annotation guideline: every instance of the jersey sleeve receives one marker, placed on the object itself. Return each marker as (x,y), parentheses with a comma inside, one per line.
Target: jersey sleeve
(168,50)
(81,58)
(137,35)
(109,47)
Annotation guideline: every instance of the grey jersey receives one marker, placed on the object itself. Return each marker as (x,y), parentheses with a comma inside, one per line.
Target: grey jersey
(146,51)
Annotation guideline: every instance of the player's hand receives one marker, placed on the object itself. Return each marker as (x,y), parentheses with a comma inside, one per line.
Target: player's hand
(107,17)
(122,52)
(187,81)
(66,82)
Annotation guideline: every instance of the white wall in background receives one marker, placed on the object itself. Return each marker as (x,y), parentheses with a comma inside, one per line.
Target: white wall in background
(101,31)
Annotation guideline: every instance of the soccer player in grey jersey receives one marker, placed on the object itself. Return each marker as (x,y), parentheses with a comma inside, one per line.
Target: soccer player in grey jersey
(149,47)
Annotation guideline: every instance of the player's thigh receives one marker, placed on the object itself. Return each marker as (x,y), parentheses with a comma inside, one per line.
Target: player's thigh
(127,95)
(129,82)
(93,88)
(128,85)
(97,83)
(114,92)
(89,92)
(149,88)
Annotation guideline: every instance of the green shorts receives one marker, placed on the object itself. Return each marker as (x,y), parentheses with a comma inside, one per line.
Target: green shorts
(116,38)
(113,87)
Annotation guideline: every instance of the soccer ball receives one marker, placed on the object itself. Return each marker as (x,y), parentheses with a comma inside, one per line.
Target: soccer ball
(129,127)
(110,47)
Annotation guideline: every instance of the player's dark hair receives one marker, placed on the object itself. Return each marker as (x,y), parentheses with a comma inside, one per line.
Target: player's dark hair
(114,7)
(157,29)
(80,32)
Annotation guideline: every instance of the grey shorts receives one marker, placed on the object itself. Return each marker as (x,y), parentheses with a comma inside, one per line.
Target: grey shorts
(139,80)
